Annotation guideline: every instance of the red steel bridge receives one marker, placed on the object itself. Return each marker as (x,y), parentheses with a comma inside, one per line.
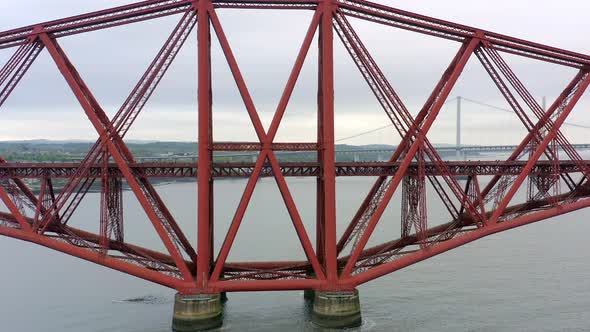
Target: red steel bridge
(544,166)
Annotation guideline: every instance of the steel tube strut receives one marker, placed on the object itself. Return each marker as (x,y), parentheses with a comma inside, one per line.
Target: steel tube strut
(441,97)
(565,95)
(167,170)
(113,263)
(43,217)
(205,183)
(363,9)
(101,123)
(326,139)
(393,106)
(459,241)
(566,107)
(266,154)
(126,115)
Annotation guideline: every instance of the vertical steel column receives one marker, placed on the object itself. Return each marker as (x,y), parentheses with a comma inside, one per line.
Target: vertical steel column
(326,140)
(115,206)
(104,197)
(205,185)
(320,216)
(459,127)
(320,226)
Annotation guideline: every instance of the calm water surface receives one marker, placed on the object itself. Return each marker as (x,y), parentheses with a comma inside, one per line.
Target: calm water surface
(535,278)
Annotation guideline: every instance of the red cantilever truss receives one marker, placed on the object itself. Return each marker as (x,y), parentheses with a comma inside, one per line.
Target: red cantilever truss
(475,209)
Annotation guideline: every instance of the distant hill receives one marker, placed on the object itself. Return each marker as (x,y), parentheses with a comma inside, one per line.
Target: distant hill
(62,150)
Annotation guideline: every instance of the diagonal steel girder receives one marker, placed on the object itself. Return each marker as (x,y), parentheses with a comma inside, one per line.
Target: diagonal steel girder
(565,106)
(542,123)
(357,8)
(534,131)
(560,138)
(10,75)
(267,153)
(428,115)
(394,106)
(60,240)
(116,146)
(122,120)
(517,85)
(366,10)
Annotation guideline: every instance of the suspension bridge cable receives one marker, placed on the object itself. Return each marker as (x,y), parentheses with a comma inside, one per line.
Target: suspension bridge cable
(363,133)
(493,107)
(377,129)
(501,109)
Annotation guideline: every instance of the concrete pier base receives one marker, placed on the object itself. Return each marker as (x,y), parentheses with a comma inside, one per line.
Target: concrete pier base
(309,294)
(197,312)
(336,309)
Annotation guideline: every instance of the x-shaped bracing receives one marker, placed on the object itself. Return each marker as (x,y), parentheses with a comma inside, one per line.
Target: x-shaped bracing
(415,144)
(266,153)
(382,191)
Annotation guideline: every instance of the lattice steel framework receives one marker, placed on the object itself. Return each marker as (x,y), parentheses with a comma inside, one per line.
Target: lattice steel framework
(475,209)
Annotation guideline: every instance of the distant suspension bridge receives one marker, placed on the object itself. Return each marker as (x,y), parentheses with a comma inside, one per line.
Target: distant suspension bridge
(252,150)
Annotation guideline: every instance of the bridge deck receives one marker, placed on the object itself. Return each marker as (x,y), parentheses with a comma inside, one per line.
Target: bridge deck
(298,169)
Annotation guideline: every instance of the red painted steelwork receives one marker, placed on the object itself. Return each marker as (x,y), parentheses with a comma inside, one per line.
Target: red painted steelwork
(474,211)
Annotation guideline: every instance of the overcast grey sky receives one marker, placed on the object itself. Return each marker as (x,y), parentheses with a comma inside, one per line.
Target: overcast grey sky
(265,44)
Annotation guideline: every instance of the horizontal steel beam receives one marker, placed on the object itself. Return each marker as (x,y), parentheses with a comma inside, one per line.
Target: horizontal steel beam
(247,149)
(309,147)
(102,19)
(254,146)
(448,30)
(293,169)
(151,9)
(131,13)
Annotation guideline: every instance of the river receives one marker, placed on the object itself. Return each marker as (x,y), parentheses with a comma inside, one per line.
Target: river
(533,278)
